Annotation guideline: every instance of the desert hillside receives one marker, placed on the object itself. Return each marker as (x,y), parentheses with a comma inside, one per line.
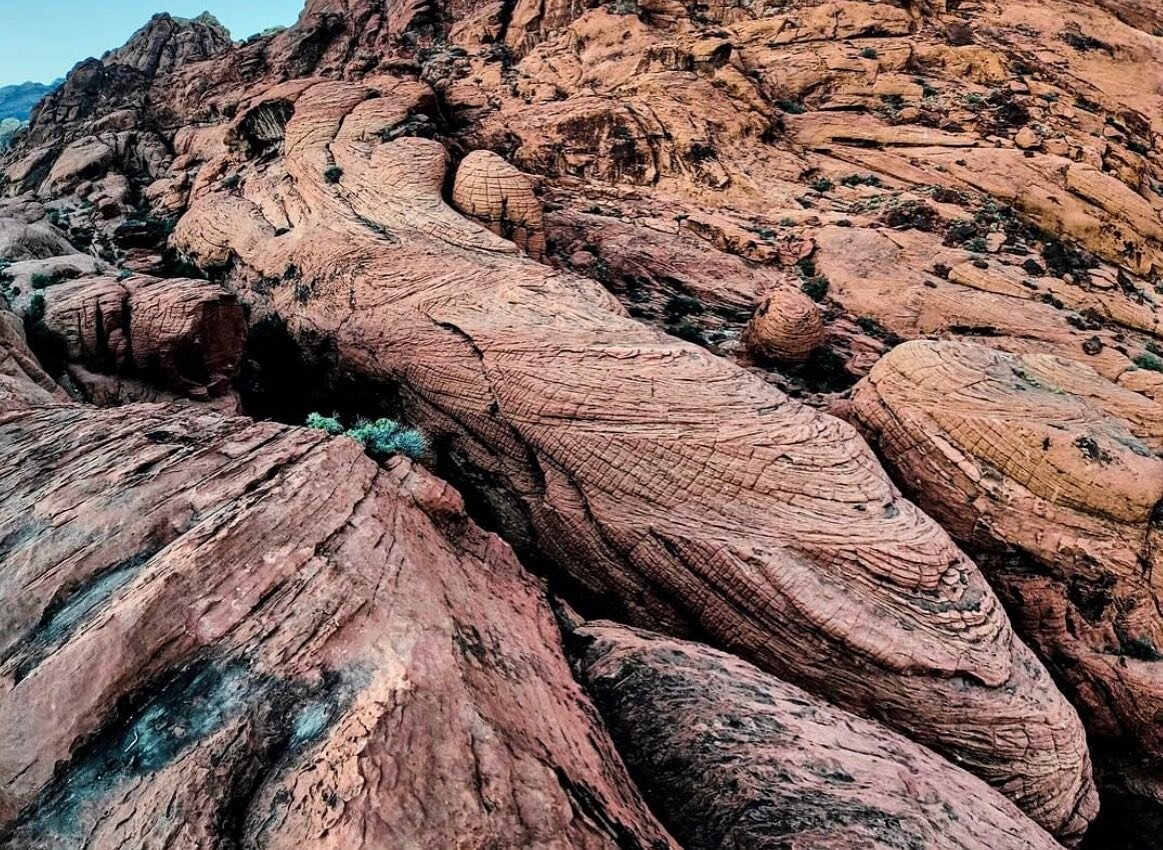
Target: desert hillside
(555,424)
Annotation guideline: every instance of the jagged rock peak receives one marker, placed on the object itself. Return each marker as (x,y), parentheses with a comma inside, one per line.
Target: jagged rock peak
(167,42)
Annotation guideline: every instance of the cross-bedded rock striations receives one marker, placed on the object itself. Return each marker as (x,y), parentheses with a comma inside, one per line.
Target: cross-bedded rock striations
(977,170)
(184,335)
(666,481)
(500,197)
(225,633)
(1052,476)
(732,758)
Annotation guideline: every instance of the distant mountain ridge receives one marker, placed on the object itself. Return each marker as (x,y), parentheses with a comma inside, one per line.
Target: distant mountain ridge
(17,101)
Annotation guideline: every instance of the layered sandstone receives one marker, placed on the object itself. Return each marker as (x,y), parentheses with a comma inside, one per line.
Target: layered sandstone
(1052,476)
(733,758)
(277,642)
(656,476)
(969,170)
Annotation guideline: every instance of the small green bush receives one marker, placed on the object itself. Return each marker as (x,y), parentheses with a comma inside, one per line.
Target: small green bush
(861,180)
(36,308)
(1147,360)
(325,423)
(822,185)
(815,287)
(387,437)
(43,281)
(380,439)
(869,53)
(232,181)
(333,174)
(792,107)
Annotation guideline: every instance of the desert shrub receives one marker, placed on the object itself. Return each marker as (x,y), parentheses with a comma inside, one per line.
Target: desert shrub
(333,174)
(328,424)
(861,180)
(822,185)
(869,53)
(1150,361)
(43,281)
(387,437)
(382,438)
(815,287)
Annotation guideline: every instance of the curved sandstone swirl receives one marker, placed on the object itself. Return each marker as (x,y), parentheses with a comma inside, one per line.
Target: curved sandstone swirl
(1053,475)
(218,633)
(668,481)
(735,759)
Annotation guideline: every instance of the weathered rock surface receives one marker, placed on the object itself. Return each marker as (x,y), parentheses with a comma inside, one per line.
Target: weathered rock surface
(1052,476)
(182,334)
(659,478)
(166,44)
(731,757)
(20,240)
(977,170)
(501,198)
(218,632)
(787,327)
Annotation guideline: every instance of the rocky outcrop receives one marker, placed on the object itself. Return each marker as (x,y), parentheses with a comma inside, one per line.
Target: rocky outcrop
(166,43)
(787,328)
(733,758)
(23,382)
(1052,476)
(184,335)
(656,476)
(275,641)
(970,170)
(20,240)
(501,198)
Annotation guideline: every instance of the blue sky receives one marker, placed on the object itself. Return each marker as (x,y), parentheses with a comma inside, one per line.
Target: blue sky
(41,41)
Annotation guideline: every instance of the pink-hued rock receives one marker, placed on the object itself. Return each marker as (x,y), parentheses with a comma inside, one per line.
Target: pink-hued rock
(218,632)
(185,334)
(732,758)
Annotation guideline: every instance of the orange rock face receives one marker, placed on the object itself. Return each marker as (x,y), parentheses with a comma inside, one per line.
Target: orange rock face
(185,335)
(787,327)
(1053,476)
(595,429)
(621,261)
(500,197)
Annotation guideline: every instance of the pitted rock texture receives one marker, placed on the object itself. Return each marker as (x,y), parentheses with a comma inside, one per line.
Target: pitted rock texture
(267,639)
(501,198)
(732,758)
(664,480)
(1053,476)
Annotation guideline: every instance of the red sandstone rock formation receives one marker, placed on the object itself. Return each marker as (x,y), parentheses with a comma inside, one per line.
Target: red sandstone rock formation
(184,335)
(656,476)
(733,758)
(787,327)
(982,170)
(501,198)
(218,632)
(1052,476)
